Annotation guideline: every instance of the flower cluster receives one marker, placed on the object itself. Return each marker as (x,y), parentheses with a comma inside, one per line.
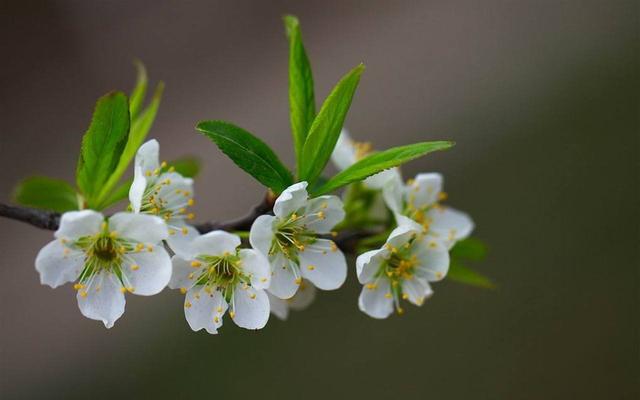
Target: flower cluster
(290,254)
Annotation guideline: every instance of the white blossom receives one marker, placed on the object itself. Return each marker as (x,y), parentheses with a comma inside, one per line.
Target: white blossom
(216,277)
(290,241)
(302,299)
(106,259)
(400,270)
(158,190)
(418,202)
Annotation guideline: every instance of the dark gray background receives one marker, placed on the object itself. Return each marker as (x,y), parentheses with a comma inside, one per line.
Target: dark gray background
(541,97)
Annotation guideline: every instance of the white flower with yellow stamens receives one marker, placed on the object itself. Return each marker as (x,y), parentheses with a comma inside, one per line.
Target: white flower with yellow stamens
(348,151)
(400,270)
(418,202)
(301,300)
(158,190)
(290,240)
(218,276)
(106,258)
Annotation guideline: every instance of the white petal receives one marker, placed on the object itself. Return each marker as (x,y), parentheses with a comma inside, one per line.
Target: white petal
(323,264)
(392,191)
(103,301)
(433,258)
(216,243)
(139,227)
(449,224)
(380,179)
(416,290)
(148,156)
(136,191)
(251,307)
(204,310)
(408,223)
(256,266)
(344,154)
(175,191)
(278,307)
(375,300)
(291,199)
(58,265)
(323,213)
(183,275)
(285,277)
(148,272)
(303,297)
(403,233)
(368,264)
(424,190)
(261,235)
(181,237)
(76,224)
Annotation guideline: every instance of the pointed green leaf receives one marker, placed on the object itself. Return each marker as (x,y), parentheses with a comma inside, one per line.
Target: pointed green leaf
(461,274)
(327,125)
(302,107)
(46,193)
(188,167)
(139,129)
(102,145)
(378,162)
(249,153)
(139,91)
(470,248)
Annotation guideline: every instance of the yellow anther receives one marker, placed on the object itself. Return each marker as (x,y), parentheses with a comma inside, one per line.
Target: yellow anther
(123,289)
(113,234)
(184,230)
(78,286)
(395,283)
(334,233)
(191,202)
(371,286)
(148,173)
(334,247)
(172,232)
(150,248)
(400,311)
(219,309)
(183,290)
(298,281)
(63,240)
(232,313)
(253,296)
(191,216)
(324,205)
(410,182)
(178,191)
(186,193)
(103,226)
(155,210)
(405,296)
(135,267)
(311,267)
(139,247)
(216,319)
(439,275)
(182,211)
(156,171)
(172,169)
(191,275)
(163,164)
(131,289)
(263,280)
(433,244)
(83,294)
(442,196)
(300,247)
(122,249)
(187,304)
(388,295)
(321,215)
(167,182)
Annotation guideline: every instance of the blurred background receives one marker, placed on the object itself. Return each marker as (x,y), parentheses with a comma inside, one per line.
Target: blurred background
(541,98)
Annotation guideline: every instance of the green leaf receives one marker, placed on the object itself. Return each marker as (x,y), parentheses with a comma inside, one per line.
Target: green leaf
(302,106)
(249,153)
(326,126)
(188,167)
(461,274)
(139,91)
(378,162)
(470,249)
(139,129)
(46,193)
(102,145)
(119,193)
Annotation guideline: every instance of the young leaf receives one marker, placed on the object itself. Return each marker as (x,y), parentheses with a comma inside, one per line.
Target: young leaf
(326,126)
(102,144)
(139,91)
(46,193)
(186,166)
(470,249)
(378,162)
(302,107)
(460,273)
(249,153)
(119,193)
(139,129)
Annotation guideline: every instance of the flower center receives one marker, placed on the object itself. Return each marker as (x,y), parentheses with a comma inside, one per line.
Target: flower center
(162,200)
(222,272)
(401,263)
(291,236)
(363,149)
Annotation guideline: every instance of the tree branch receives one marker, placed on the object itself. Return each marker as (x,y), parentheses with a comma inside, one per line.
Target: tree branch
(50,220)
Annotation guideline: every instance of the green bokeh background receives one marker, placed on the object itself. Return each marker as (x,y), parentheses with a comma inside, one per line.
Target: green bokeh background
(541,98)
